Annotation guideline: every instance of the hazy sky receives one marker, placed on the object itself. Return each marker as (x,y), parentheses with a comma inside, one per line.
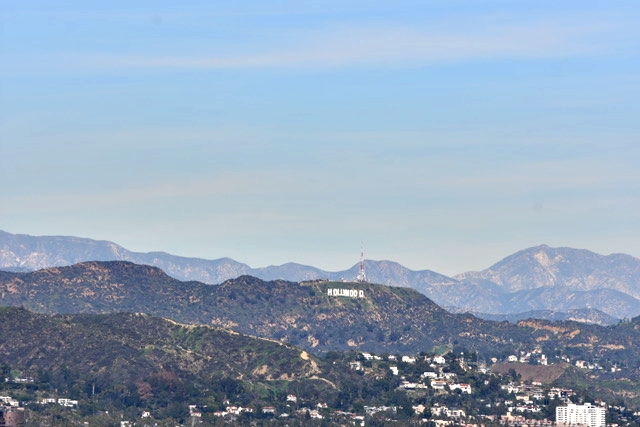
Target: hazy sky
(445,135)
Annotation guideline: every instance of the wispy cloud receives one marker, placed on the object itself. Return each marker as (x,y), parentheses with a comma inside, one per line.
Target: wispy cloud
(384,45)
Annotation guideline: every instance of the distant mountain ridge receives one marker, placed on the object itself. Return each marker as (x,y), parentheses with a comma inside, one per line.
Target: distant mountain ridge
(28,253)
(21,252)
(540,279)
(579,269)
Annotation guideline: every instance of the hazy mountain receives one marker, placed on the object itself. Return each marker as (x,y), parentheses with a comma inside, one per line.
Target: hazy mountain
(478,298)
(20,252)
(557,279)
(578,269)
(28,253)
(539,278)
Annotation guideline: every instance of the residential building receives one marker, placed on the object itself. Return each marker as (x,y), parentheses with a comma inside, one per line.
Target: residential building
(587,414)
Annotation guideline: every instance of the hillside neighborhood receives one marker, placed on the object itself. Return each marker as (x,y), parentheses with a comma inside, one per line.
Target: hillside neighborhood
(425,389)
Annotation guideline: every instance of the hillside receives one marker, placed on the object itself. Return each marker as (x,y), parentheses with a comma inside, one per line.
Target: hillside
(379,318)
(140,346)
(138,361)
(585,315)
(302,314)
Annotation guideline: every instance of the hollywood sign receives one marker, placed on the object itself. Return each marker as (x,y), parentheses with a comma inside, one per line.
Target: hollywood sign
(352,293)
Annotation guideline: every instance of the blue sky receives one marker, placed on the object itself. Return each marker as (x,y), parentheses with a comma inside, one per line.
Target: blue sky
(443,135)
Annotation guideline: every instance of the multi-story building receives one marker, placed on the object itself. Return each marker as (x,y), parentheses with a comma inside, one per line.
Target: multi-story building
(587,415)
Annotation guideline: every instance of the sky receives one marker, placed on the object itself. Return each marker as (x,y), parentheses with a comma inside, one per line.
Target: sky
(443,135)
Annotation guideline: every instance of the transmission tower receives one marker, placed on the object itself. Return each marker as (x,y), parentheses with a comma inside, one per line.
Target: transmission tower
(362,277)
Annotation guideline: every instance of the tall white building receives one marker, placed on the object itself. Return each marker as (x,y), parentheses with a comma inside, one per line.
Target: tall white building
(587,414)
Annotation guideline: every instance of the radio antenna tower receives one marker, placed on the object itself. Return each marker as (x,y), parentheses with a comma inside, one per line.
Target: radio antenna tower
(362,277)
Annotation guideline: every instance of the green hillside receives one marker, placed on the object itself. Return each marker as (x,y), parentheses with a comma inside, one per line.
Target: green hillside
(318,316)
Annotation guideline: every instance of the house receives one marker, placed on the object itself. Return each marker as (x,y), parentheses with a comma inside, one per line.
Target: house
(440,360)
(464,388)
(235,410)
(438,384)
(315,415)
(408,386)
(67,402)
(511,388)
(193,411)
(7,400)
(394,370)
(456,413)
(356,366)
(408,359)
(370,410)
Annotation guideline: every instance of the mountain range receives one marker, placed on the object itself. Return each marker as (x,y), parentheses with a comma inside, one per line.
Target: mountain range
(567,283)
(318,316)
(380,319)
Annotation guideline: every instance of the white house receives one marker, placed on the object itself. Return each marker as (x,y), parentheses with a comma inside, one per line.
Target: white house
(465,388)
(440,360)
(67,402)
